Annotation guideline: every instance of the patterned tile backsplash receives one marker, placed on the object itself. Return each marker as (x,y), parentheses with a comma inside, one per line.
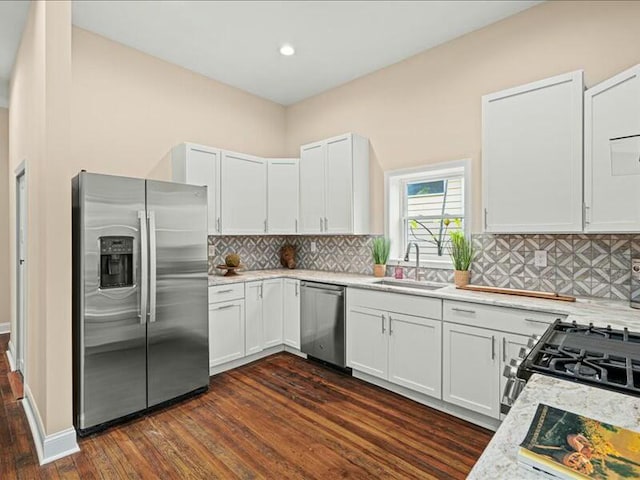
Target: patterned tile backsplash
(591,265)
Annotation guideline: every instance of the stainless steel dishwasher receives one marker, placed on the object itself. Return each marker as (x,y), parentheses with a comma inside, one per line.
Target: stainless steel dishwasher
(322,327)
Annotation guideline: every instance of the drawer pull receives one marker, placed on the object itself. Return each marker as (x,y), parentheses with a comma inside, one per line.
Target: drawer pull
(225,291)
(224,307)
(463,310)
(533,320)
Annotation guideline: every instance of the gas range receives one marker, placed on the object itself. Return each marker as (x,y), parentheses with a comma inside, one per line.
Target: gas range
(603,357)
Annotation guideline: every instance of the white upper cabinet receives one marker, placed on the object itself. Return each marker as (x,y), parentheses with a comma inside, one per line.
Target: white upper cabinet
(532,157)
(334,186)
(200,165)
(282,195)
(612,153)
(243,194)
(312,188)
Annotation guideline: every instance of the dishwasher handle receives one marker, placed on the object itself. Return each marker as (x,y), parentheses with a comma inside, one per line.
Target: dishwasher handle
(323,286)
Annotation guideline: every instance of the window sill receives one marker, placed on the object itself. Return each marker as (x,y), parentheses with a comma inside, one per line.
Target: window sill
(430,263)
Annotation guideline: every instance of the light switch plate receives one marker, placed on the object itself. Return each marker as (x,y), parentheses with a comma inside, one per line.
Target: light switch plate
(635,268)
(212,250)
(314,249)
(540,258)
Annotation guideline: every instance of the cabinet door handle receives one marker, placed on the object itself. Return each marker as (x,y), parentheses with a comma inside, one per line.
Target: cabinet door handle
(265,226)
(326,224)
(261,292)
(390,327)
(297,285)
(504,349)
(493,347)
(533,320)
(224,307)
(463,310)
(296,225)
(382,318)
(321,224)
(485,218)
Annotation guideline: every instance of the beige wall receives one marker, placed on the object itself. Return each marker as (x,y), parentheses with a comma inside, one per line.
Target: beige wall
(427,109)
(129,109)
(5,306)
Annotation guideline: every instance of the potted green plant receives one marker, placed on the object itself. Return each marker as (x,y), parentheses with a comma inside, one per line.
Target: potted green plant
(380,248)
(462,253)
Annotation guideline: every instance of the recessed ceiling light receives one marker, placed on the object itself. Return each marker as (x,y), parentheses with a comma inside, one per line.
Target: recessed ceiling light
(287,50)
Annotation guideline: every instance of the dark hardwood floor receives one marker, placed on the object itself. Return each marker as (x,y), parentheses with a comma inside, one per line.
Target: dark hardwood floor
(281,417)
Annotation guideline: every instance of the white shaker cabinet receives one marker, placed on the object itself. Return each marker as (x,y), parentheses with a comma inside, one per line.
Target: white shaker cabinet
(253,293)
(312,160)
(532,163)
(291,313)
(470,368)
(243,194)
(263,304)
(226,332)
(415,349)
(272,312)
(200,165)
(334,186)
(367,343)
(282,195)
(612,150)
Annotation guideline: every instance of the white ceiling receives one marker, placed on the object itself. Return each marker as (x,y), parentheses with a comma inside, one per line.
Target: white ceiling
(13,15)
(238,42)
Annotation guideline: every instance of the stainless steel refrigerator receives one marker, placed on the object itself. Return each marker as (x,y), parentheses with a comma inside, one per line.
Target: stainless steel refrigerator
(140,321)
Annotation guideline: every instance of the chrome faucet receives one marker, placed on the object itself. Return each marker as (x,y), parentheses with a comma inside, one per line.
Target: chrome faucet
(406,257)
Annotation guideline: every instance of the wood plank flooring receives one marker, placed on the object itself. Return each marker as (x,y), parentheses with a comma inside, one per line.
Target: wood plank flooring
(281,417)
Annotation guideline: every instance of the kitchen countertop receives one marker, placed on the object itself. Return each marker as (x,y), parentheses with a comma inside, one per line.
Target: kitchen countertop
(600,311)
(499,460)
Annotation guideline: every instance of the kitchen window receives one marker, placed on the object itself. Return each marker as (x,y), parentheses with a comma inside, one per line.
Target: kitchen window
(423,206)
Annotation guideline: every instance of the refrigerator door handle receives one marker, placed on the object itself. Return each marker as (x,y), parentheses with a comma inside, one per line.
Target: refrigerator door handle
(152,266)
(144,266)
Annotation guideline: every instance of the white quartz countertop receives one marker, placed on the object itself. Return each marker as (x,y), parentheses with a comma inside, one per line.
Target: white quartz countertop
(600,312)
(499,460)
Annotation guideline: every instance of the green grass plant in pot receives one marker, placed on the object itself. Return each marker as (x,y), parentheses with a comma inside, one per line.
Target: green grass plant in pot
(380,249)
(462,253)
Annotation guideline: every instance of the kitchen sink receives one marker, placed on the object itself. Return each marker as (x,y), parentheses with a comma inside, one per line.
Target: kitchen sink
(410,284)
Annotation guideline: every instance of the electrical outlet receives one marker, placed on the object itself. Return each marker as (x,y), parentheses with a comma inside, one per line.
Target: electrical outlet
(540,258)
(314,249)
(635,268)
(212,250)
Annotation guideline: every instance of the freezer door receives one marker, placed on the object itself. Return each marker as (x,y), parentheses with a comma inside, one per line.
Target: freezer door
(178,330)
(110,332)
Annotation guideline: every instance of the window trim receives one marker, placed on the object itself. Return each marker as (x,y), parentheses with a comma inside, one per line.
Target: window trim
(393,178)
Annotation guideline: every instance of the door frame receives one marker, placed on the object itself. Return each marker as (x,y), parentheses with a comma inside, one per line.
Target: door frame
(20,344)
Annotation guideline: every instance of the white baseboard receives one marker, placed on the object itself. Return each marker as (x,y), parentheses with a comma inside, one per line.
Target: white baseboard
(49,447)
(294,351)
(436,403)
(5,328)
(10,358)
(215,369)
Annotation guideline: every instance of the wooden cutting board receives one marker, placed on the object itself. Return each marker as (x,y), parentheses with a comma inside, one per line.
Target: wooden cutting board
(521,293)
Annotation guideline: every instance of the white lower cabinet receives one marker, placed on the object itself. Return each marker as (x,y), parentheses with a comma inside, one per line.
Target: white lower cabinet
(415,351)
(367,344)
(253,317)
(226,332)
(272,312)
(402,349)
(291,313)
(263,300)
(470,367)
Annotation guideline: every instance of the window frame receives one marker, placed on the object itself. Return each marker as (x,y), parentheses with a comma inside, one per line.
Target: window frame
(395,207)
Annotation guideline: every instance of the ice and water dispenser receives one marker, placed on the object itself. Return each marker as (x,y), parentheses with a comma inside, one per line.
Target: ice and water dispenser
(116,262)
